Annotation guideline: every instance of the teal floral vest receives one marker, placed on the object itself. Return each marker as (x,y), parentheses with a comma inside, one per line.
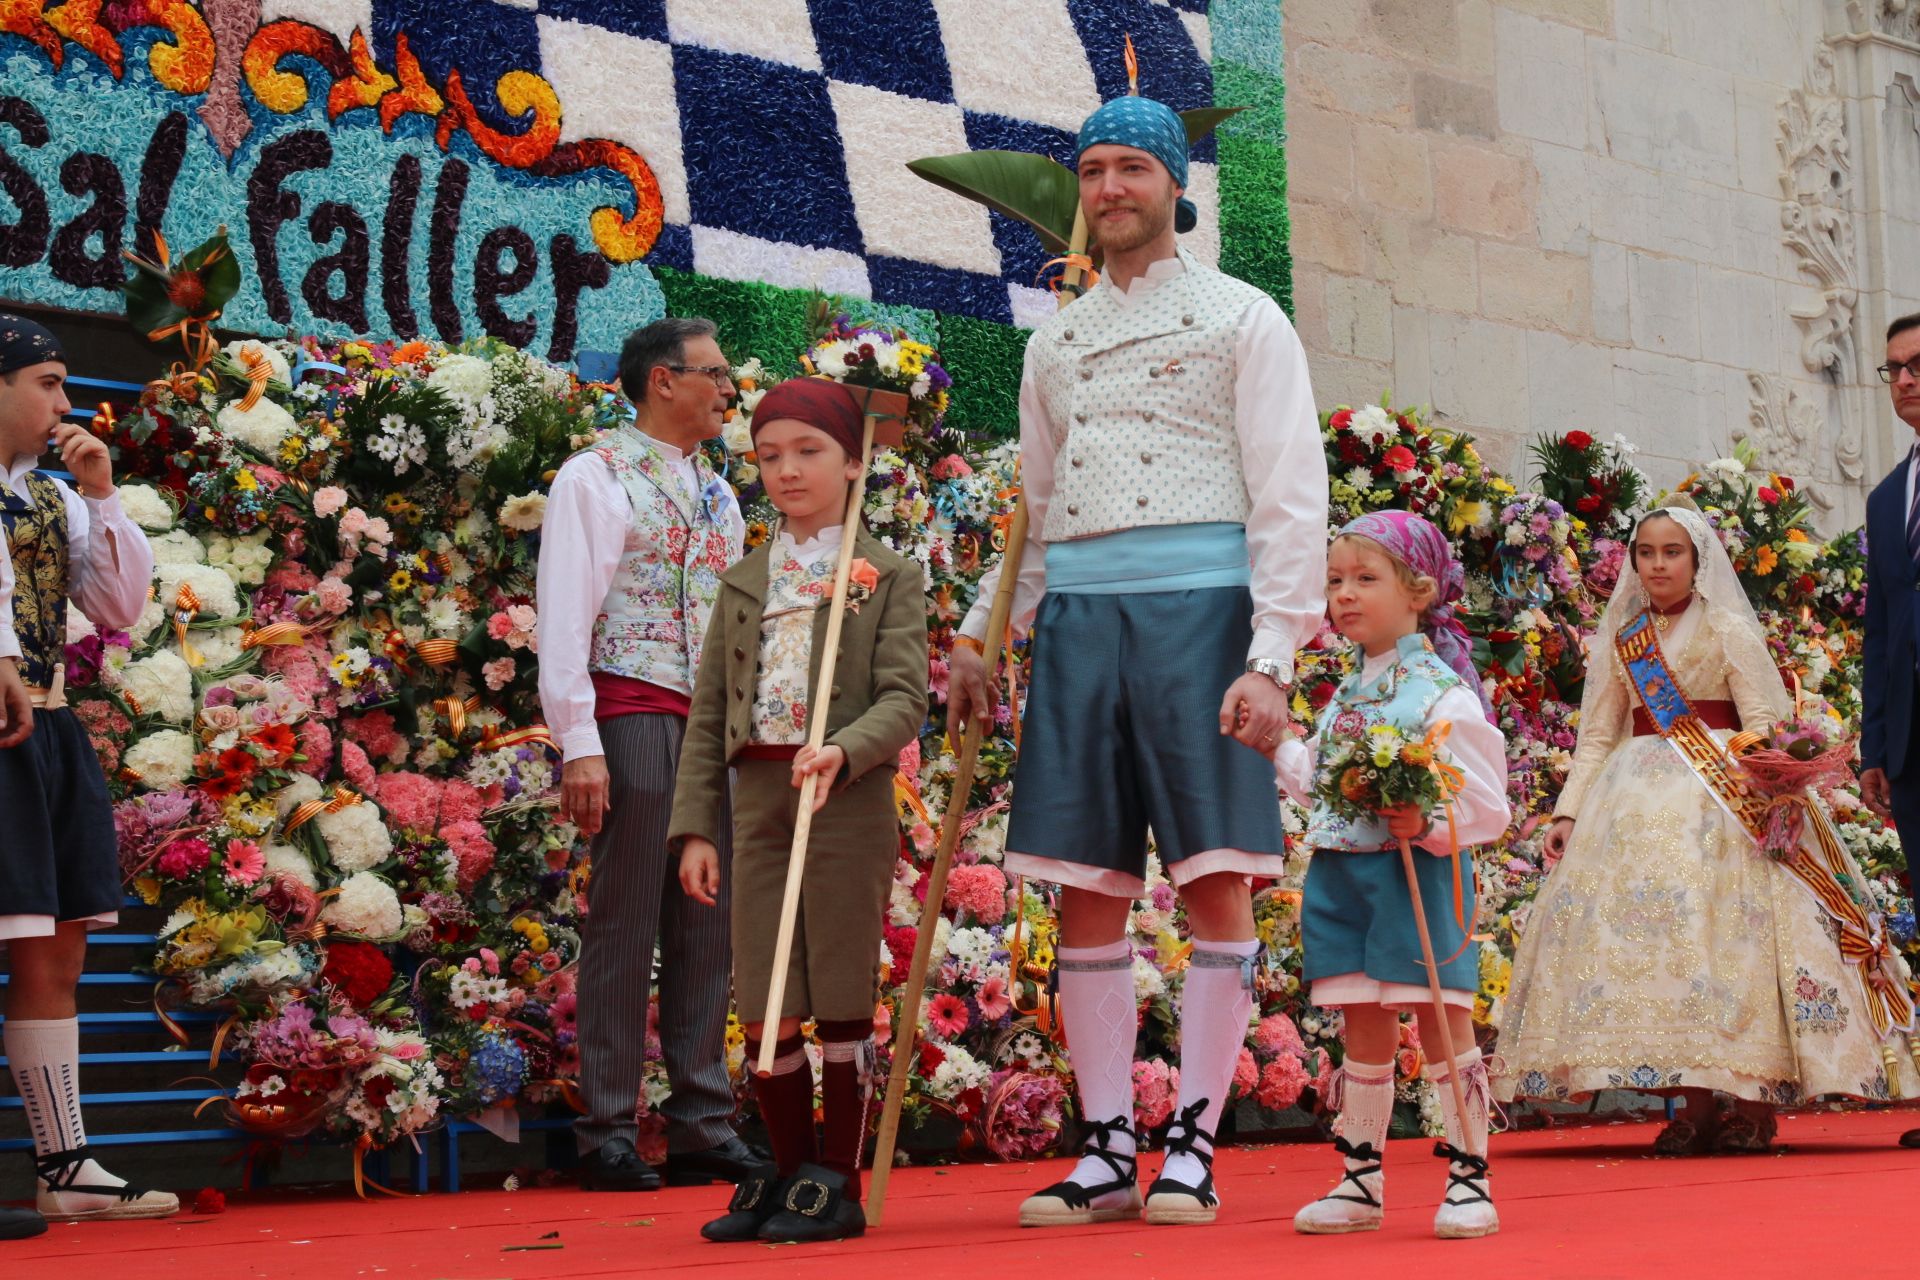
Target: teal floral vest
(1401,696)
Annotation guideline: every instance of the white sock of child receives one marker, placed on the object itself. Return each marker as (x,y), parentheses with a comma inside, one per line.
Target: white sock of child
(1356,1202)
(1467,1209)
(1099,1015)
(1215,1005)
(44,1055)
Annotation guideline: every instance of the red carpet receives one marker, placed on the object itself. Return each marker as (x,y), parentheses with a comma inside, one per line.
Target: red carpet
(1574,1203)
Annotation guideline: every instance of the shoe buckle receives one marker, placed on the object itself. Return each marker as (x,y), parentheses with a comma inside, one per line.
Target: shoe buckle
(819,1196)
(750,1194)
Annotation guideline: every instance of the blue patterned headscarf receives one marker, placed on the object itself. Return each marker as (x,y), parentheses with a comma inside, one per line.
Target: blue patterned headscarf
(1149,126)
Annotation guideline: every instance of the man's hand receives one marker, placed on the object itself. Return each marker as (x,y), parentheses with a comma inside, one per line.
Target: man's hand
(586,793)
(85,458)
(1556,846)
(1255,712)
(969,696)
(16,710)
(827,762)
(1873,789)
(700,870)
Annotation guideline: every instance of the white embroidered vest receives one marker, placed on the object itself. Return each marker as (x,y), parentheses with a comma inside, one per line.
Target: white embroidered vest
(655,616)
(1140,397)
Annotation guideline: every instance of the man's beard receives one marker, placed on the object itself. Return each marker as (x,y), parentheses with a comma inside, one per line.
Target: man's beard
(1151,221)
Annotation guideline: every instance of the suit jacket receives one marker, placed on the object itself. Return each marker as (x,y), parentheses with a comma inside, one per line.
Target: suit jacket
(1893,623)
(878,703)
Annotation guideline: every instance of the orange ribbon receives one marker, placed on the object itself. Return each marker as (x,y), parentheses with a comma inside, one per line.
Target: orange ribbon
(253,635)
(437,653)
(1066,261)
(456,713)
(305,813)
(186,604)
(396,649)
(196,338)
(1452,783)
(491,739)
(259,373)
(361,1182)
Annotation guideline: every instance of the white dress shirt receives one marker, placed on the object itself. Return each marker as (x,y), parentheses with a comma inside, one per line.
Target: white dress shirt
(582,539)
(1480,812)
(1280,452)
(111,563)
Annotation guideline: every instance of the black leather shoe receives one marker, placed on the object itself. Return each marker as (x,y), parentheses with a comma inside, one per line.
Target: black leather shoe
(757,1198)
(814,1206)
(18,1224)
(731,1161)
(616,1166)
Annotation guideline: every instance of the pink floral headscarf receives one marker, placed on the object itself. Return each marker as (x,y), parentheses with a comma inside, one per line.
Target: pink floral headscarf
(1416,543)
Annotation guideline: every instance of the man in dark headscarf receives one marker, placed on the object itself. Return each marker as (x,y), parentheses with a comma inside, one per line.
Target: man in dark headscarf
(59,862)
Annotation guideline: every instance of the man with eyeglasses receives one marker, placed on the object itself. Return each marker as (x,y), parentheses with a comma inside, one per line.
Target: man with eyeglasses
(1889,745)
(637,532)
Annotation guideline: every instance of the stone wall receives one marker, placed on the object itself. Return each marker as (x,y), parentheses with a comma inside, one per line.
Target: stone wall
(1637,216)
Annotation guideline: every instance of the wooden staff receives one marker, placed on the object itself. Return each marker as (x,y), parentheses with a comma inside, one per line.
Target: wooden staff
(906,1031)
(816,739)
(1433,986)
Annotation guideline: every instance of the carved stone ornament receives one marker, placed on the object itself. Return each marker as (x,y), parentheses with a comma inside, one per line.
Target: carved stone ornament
(1897,18)
(1816,178)
(1788,432)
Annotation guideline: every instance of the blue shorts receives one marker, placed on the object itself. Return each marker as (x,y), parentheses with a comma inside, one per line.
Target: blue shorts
(1356,916)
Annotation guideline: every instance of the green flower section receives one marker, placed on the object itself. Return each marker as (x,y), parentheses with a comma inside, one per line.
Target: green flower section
(1255,243)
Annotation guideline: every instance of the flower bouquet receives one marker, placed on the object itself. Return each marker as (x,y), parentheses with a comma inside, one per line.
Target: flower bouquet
(1365,771)
(1594,479)
(898,380)
(1810,748)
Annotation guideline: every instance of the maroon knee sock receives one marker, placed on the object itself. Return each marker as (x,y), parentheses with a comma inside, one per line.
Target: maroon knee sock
(786,1104)
(846,1080)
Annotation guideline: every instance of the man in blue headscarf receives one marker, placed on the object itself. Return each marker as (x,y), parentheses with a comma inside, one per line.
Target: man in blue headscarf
(1177,497)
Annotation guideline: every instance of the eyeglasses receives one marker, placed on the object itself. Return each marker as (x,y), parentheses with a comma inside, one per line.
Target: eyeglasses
(722,376)
(1888,372)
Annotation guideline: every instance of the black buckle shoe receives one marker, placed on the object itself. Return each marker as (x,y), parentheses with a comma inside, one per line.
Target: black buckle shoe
(19,1224)
(756,1197)
(814,1206)
(731,1161)
(616,1166)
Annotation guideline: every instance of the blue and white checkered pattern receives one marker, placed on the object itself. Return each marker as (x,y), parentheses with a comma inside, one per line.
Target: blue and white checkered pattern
(779,129)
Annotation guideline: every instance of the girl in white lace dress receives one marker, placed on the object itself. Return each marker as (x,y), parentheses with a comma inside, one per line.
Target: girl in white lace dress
(1665,953)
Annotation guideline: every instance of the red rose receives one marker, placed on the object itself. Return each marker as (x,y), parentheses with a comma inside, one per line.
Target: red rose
(1340,419)
(1321,694)
(1769,496)
(1579,441)
(378,1090)
(1587,505)
(359,971)
(1401,458)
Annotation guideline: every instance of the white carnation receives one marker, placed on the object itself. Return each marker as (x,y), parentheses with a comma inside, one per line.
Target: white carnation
(177,546)
(296,793)
(237,352)
(356,837)
(260,428)
(163,759)
(217,648)
(161,684)
(215,590)
(366,905)
(284,859)
(146,507)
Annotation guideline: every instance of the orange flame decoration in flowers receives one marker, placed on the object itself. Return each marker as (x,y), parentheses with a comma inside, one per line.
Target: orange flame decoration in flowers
(186,65)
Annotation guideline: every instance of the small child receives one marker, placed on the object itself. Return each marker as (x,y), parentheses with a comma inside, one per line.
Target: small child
(751,707)
(1391,584)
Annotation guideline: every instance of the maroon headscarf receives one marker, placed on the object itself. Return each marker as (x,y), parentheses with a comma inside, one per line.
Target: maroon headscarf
(818,403)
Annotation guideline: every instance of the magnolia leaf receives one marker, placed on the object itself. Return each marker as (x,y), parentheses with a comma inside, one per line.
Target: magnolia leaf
(1202,121)
(1038,190)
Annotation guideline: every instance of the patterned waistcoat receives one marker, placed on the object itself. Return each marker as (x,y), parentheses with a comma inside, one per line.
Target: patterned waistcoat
(1140,397)
(655,615)
(37,538)
(1401,697)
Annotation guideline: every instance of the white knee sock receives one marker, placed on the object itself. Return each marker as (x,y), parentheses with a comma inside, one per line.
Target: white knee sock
(44,1056)
(1366,1102)
(1101,1017)
(1214,1007)
(1467,1133)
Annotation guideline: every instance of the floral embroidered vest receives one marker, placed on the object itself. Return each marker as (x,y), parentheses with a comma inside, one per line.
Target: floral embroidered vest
(794,593)
(655,616)
(1140,400)
(37,538)
(1401,696)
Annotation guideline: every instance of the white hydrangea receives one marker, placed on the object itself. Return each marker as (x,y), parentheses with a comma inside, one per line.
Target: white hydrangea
(162,685)
(284,859)
(163,759)
(366,905)
(462,377)
(356,837)
(146,507)
(214,589)
(260,428)
(177,546)
(238,350)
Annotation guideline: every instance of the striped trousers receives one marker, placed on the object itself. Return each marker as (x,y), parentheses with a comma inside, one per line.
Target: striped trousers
(634,898)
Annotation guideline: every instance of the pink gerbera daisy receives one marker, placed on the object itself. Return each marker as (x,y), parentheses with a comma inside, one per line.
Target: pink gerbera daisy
(245,863)
(947,1015)
(993,999)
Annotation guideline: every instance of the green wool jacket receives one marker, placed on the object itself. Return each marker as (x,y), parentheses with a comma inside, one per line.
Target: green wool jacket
(878,703)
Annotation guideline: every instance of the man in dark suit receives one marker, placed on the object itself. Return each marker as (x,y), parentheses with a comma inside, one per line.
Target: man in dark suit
(1889,744)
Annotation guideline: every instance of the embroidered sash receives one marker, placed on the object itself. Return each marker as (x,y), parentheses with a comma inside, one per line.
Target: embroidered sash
(1828,877)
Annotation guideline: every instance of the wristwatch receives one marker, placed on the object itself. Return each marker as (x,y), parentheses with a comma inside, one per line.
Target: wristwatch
(1273,669)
